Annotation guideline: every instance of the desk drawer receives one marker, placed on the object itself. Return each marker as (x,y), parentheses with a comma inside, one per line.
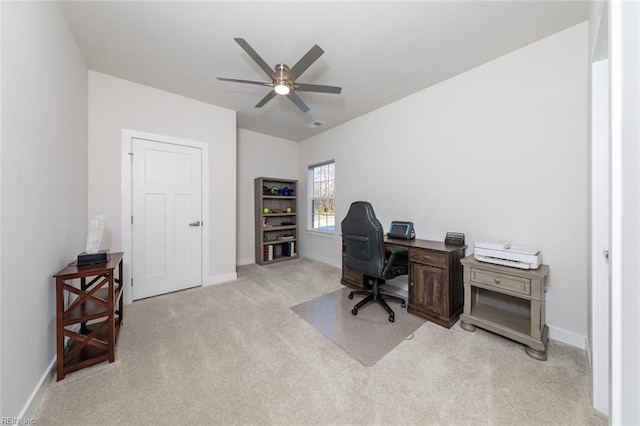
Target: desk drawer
(501,281)
(428,257)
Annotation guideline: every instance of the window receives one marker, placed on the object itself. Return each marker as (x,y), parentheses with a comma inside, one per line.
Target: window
(322,190)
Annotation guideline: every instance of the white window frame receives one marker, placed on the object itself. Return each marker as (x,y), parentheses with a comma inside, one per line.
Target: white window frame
(311,198)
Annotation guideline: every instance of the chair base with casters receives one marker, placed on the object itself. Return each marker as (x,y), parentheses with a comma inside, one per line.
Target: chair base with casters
(375,296)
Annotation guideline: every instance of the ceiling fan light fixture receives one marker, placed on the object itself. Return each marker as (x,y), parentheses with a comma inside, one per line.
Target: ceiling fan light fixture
(282,88)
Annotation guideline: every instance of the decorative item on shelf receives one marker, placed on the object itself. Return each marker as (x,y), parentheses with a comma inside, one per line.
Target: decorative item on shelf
(93,254)
(265,190)
(265,210)
(276,211)
(288,209)
(287,191)
(265,224)
(286,237)
(275,190)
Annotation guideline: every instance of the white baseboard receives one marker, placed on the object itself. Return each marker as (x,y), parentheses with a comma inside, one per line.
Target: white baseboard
(219,279)
(568,337)
(31,406)
(321,259)
(246,261)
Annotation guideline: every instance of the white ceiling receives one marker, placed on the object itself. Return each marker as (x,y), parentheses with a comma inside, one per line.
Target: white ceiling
(378,52)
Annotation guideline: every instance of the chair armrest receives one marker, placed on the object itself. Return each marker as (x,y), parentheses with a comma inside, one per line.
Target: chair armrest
(395,252)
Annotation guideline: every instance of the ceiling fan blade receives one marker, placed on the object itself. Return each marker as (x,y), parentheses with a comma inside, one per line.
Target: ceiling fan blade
(296,100)
(265,67)
(235,80)
(304,87)
(266,99)
(306,61)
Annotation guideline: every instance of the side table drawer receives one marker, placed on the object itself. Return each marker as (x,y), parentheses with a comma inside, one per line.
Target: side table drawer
(501,281)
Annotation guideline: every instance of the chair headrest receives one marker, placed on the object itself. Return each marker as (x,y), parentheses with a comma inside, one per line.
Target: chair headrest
(361,210)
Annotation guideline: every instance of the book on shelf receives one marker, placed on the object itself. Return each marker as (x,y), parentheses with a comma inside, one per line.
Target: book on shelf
(267,252)
(289,249)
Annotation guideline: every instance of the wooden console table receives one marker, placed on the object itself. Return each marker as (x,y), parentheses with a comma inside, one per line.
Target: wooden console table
(507,301)
(435,279)
(93,318)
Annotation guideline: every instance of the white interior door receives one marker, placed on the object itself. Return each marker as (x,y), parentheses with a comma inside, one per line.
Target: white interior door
(167,217)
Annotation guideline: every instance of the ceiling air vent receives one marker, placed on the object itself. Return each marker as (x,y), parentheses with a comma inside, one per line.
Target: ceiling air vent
(315,124)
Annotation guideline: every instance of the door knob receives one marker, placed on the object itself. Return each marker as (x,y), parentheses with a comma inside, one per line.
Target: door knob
(196,223)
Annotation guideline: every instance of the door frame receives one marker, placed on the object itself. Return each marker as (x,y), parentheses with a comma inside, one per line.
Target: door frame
(126,192)
(600,238)
(601,218)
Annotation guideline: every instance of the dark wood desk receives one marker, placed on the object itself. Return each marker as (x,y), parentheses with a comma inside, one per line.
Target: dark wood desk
(93,318)
(436,291)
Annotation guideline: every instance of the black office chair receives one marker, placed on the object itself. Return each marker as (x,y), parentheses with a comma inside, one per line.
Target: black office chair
(363,237)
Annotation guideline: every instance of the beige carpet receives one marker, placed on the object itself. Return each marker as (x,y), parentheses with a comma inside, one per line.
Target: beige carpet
(367,336)
(236,354)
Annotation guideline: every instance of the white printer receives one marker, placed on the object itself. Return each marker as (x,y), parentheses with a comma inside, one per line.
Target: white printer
(508,255)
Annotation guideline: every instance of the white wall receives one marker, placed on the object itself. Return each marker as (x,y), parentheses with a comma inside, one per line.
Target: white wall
(116,104)
(259,155)
(499,153)
(44,188)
